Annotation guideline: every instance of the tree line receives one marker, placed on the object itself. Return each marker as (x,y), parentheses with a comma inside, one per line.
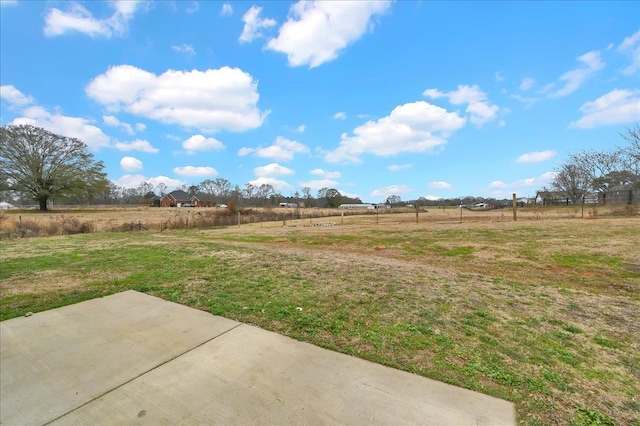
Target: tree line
(597,173)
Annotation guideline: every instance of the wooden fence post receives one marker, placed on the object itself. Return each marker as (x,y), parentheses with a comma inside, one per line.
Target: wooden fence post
(515,208)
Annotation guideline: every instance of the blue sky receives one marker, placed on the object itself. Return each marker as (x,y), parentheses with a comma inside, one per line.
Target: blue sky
(408,98)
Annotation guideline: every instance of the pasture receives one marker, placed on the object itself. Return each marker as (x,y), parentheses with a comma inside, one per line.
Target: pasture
(544,311)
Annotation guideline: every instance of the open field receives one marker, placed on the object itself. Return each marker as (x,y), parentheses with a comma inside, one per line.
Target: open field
(544,313)
(100,219)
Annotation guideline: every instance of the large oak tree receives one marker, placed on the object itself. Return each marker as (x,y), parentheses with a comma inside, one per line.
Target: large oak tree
(44,164)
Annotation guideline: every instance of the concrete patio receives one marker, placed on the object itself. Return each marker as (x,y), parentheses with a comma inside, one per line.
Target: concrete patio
(131,358)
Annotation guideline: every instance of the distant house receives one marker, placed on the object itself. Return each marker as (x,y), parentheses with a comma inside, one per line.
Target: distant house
(175,199)
(202,200)
(356,206)
(548,198)
(5,206)
(288,205)
(621,194)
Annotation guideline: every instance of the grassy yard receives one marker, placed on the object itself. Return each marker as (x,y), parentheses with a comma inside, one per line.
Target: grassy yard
(544,313)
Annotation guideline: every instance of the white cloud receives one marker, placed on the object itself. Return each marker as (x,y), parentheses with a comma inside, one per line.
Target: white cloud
(253,24)
(187,49)
(136,145)
(227,10)
(630,47)
(316,31)
(77,18)
(396,167)
(112,120)
(528,101)
(278,185)
(478,108)
(527,83)
(390,190)
(211,100)
(440,185)
(411,127)
(320,183)
(141,127)
(273,169)
(169,182)
(283,149)
(130,181)
(591,63)
(130,164)
(200,143)
(500,189)
(8,2)
(340,116)
(300,129)
(619,106)
(325,173)
(195,6)
(14,97)
(75,127)
(193,171)
(536,157)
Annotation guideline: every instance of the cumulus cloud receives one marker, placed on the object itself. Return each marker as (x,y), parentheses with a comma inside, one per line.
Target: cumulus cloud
(440,185)
(227,10)
(141,127)
(619,106)
(320,183)
(502,189)
(130,164)
(134,181)
(478,107)
(390,190)
(75,127)
(278,185)
(136,145)
(112,120)
(197,143)
(536,157)
(78,19)
(591,63)
(396,167)
(340,116)
(630,47)
(130,181)
(169,182)
(527,83)
(325,173)
(253,24)
(317,31)
(300,129)
(14,97)
(184,48)
(211,100)
(273,169)
(283,149)
(411,127)
(193,171)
